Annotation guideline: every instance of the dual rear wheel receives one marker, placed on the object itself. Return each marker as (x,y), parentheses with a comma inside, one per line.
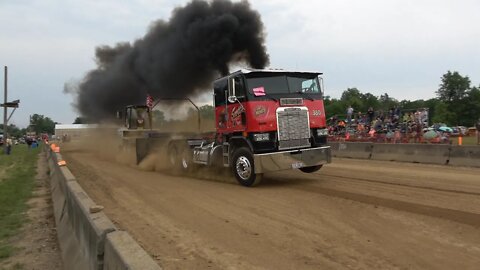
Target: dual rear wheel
(180,158)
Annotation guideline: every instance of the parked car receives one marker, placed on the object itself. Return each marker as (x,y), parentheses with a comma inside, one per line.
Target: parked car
(439,127)
(445,129)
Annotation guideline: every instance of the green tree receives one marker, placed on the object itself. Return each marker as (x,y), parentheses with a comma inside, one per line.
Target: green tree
(387,102)
(352,97)
(408,105)
(432,104)
(369,100)
(453,87)
(334,107)
(470,111)
(41,124)
(13,130)
(453,92)
(79,120)
(443,114)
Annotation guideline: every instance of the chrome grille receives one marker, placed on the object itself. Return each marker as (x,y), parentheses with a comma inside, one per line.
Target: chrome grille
(293,128)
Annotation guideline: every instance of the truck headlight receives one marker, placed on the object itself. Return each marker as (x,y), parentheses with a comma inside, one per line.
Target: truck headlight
(322,132)
(260,137)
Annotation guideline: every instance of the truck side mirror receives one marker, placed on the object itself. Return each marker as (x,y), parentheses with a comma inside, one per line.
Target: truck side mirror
(232,99)
(322,87)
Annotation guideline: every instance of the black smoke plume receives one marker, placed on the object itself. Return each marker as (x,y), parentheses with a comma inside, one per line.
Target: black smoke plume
(176,58)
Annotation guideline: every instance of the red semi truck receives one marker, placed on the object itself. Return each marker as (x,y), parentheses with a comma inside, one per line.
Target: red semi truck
(265,121)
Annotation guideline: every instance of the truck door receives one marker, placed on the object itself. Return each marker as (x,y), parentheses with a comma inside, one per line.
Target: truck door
(220,89)
(236,109)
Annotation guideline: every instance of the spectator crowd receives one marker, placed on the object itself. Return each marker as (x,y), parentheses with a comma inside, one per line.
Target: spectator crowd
(384,126)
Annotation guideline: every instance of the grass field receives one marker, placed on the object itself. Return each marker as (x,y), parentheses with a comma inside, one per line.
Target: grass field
(17,176)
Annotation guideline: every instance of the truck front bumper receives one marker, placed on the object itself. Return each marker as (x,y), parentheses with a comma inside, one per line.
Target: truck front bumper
(292,159)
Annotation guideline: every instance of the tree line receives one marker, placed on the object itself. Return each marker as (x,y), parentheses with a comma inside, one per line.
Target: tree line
(38,124)
(457,102)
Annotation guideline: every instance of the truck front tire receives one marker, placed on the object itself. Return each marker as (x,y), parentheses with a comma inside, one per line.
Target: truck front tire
(243,168)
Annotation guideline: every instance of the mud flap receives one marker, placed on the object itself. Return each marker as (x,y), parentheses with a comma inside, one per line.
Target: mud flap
(141,148)
(146,146)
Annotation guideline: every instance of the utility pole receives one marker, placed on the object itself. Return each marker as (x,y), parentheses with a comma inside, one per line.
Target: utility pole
(5,110)
(6,105)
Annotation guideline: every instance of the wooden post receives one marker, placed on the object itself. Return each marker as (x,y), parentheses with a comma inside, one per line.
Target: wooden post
(5,111)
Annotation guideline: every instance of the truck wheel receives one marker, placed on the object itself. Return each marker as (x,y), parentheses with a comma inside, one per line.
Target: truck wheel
(311,169)
(244,169)
(186,163)
(173,156)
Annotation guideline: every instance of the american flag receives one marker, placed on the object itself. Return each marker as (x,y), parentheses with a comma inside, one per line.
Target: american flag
(149,101)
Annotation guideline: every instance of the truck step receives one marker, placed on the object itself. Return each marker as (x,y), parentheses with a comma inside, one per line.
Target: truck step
(226,154)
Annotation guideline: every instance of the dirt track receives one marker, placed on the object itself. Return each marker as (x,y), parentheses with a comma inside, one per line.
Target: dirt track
(352,214)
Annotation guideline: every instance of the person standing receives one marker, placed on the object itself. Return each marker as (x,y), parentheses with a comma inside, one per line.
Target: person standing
(9,145)
(349,115)
(371,115)
(29,141)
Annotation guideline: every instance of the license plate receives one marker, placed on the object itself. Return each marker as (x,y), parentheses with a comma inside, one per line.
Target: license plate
(297,165)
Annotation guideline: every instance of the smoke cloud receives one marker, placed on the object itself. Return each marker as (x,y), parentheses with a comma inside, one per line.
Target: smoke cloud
(176,58)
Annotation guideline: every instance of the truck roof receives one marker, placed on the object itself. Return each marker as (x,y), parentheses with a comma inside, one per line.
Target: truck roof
(251,70)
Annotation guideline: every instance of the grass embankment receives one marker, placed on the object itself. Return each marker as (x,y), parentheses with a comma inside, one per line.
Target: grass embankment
(17,177)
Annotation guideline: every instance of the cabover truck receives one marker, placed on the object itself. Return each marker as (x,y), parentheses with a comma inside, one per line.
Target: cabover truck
(265,121)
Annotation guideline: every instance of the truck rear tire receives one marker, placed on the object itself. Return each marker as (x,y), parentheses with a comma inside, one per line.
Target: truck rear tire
(311,169)
(186,163)
(180,158)
(173,156)
(243,168)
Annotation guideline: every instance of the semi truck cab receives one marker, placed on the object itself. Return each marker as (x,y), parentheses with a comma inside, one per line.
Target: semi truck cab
(269,120)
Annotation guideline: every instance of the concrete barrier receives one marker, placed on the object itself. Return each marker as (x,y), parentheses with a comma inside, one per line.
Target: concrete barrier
(71,257)
(90,229)
(57,186)
(123,253)
(82,235)
(419,153)
(465,156)
(361,150)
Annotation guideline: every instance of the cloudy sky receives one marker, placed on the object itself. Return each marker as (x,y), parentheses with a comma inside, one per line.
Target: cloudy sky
(397,47)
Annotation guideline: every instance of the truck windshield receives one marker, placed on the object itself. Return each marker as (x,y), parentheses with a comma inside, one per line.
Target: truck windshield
(283,84)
